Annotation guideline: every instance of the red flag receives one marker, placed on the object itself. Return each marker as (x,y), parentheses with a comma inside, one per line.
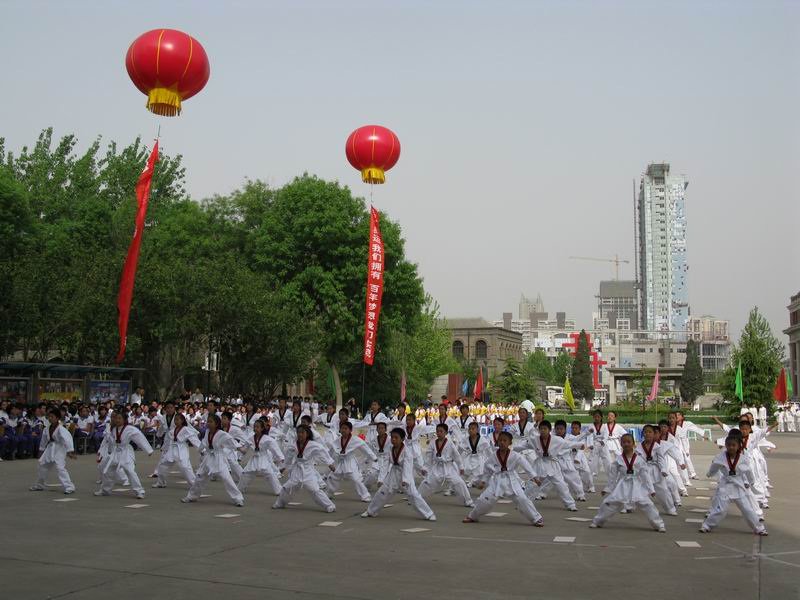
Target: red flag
(654,390)
(374,286)
(478,392)
(129,269)
(780,392)
(403,386)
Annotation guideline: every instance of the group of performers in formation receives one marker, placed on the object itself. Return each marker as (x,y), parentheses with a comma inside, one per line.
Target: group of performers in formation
(524,462)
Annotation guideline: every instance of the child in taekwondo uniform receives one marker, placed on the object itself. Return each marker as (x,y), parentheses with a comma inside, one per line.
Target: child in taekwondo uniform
(214,448)
(655,457)
(547,467)
(345,452)
(266,459)
(736,477)
(55,446)
(580,460)
(629,484)
(443,467)
(475,450)
(175,451)
(375,472)
(399,480)
(300,464)
(502,480)
(116,453)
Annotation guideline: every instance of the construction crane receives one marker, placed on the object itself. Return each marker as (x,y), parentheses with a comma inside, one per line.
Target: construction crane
(616,260)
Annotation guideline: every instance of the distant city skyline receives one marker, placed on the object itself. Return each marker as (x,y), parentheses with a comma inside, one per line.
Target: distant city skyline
(522,124)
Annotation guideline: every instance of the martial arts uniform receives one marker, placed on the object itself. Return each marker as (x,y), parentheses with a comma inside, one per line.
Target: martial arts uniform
(399,480)
(175,452)
(566,459)
(375,472)
(443,467)
(214,448)
(120,456)
(302,473)
(56,444)
(655,457)
(736,478)
(581,462)
(629,484)
(232,454)
(682,433)
(345,453)
(475,456)
(548,468)
(598,457)
(462,428)
(265,462)
(371,423)
(502,480)
(674,459)
(610,440)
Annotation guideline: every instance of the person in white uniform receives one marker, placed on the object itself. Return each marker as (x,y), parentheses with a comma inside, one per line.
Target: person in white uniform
(214,448)
(266,460)
(736,479)
(55,447)
(399,480)
(345,452)
(629,484)
(300,465)
(178,438)
(116,453)
(444,467)
(501,479)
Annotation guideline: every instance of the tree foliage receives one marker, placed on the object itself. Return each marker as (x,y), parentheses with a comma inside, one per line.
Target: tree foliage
(692,383)
(513,384)
(761,354)
(271,280)
(582,381)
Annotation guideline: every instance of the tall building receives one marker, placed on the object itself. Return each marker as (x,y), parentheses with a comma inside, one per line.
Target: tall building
(617,305)
(661,250)
(528,306)
(713,341)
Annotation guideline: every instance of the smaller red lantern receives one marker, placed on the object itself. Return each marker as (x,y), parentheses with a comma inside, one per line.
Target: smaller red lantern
(373,149)
(168,66)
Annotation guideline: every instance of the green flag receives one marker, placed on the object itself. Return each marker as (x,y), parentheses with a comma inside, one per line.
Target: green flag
(789,389)
(568,398)
(739,387)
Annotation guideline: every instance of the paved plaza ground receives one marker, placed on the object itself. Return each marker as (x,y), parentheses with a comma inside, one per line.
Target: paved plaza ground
(102,548)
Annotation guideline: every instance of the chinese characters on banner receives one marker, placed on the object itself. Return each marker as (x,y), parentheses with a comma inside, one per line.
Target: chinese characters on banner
(374,286)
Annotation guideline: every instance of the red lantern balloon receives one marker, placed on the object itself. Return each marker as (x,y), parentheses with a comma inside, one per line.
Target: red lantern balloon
(168,66)
(373,149)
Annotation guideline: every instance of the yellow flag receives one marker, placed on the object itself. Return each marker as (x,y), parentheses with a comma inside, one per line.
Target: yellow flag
(568,398)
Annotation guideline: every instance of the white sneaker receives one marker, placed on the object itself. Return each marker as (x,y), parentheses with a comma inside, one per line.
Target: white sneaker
(68,492)
(158,485)
(594,525)
(331,509)
(140,496)
(431,518)
(365,515)
(186,500)
(239,503)
(674,513)
(662,529)
(36,488)
(447,493)
(101,493)
(704,529)
(469,504)
(572,508)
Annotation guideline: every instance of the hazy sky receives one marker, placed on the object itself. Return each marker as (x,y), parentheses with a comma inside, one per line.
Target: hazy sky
(522,126)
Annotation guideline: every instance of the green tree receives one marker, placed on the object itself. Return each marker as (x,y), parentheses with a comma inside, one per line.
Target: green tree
(513,384)
(691,384)
(761,354)
(582,382)
(312,243)
(562,368)
(539,367)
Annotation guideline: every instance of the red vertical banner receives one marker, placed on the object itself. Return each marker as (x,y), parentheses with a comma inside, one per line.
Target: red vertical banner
(375,265)
(129,268)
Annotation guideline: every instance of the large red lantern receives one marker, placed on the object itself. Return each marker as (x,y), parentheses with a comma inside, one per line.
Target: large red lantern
(168,66)
(373,149)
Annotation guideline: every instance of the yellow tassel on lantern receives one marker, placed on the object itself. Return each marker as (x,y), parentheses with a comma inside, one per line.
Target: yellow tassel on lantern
(373,175)
(164,102)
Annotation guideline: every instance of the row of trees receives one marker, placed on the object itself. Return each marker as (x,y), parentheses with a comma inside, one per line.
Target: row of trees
(270,279)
